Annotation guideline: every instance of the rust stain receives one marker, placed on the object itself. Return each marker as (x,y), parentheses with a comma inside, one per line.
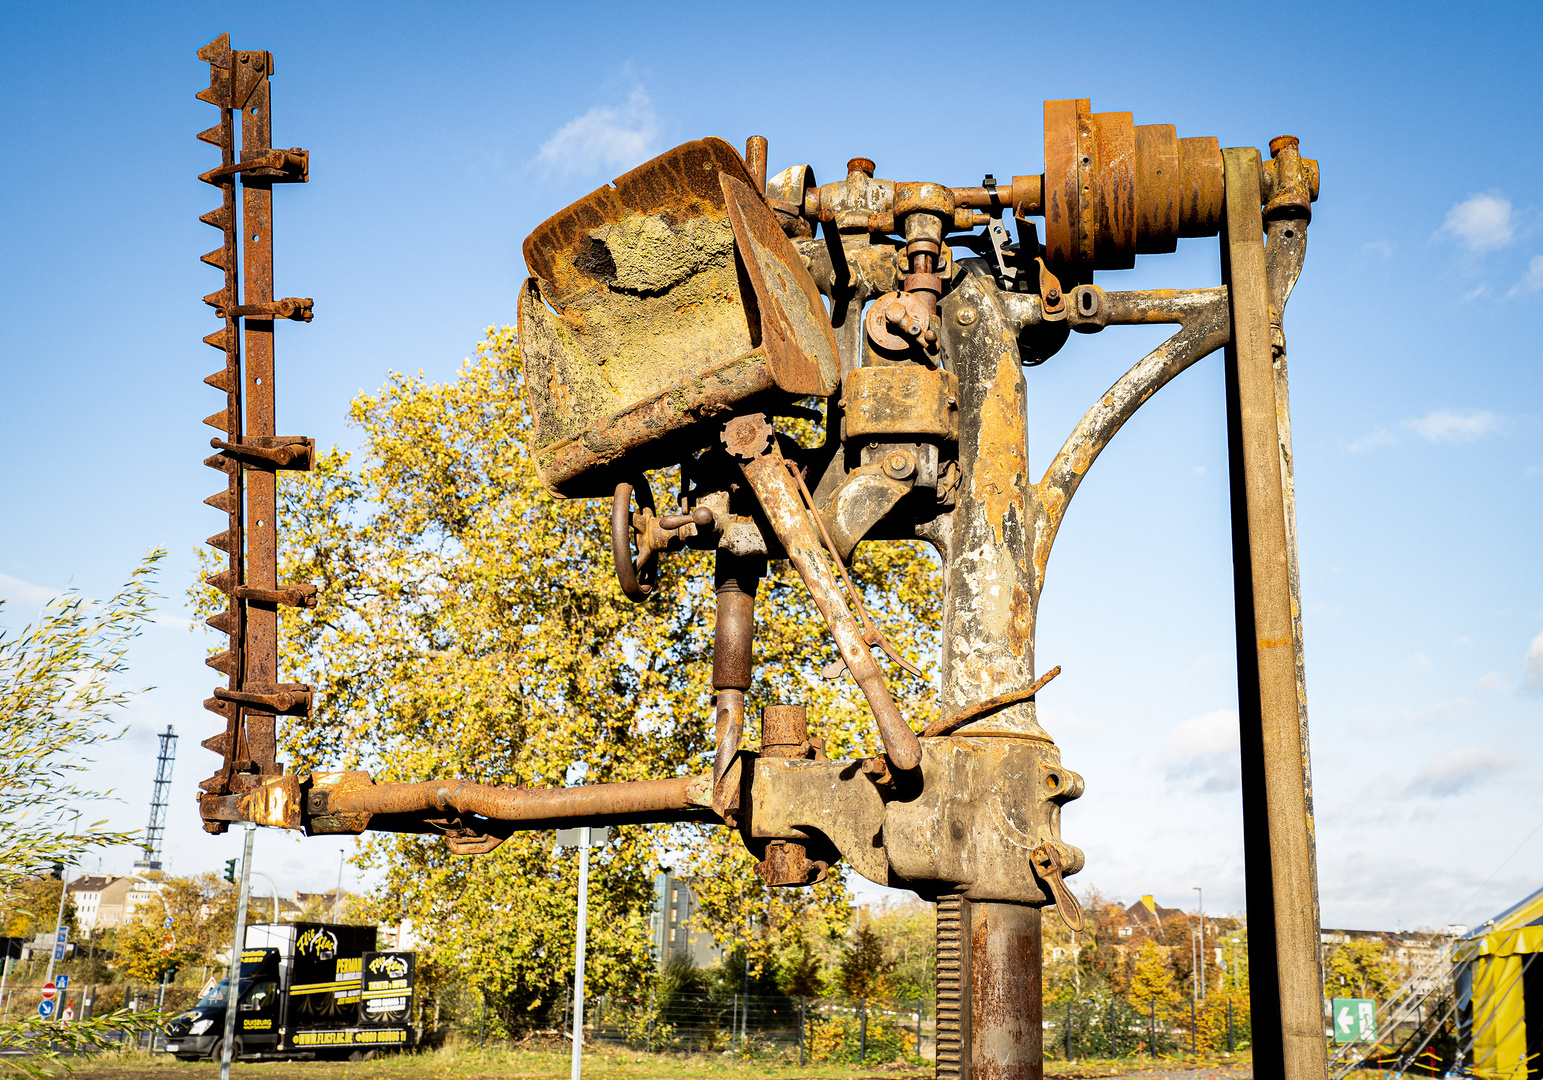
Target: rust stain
(1001,463)
(1020,626)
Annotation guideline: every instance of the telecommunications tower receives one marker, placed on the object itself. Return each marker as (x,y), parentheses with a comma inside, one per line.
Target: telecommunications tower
(152,844)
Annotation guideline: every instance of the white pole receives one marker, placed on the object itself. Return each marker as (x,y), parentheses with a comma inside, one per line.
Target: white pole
(53,946)
(578,964)
(337,896)
(237,943)
(274,889)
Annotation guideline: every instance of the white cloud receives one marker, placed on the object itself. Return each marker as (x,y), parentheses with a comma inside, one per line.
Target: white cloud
(606,137)
(1381,247)
(1437,426)
(1453,425)
(1451,774)
(1380,437)
(1202,752)
(1482,222)
(1532,280)
(1533,668)
(28,596)
(1494,683)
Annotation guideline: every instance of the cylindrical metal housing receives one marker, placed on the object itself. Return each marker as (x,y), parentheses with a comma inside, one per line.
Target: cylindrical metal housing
(1113,190)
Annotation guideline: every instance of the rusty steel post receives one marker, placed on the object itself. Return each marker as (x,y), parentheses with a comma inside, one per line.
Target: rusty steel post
(736,579)
(1279,857)
(261,648)
(1006,1003)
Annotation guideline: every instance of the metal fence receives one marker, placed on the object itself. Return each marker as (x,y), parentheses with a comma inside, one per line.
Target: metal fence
(1108,1026)
(91,999)
(698,1020)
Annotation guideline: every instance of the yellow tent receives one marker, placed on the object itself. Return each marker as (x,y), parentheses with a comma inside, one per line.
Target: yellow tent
(1500,992)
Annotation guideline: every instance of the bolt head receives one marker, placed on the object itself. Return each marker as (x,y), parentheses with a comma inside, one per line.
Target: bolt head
(1053,295)
(966,317)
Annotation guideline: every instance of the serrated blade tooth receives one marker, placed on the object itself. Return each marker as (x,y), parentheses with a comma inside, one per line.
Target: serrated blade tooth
(214,136)
(222,581)
(217,420)
(220,380)
(226,542)
(223,500)
(217,51)
(218,299)
(218,339)
(215,258)
(218,743)
(219,217)
(213,95)
(224,464)
(218,705)
(223,662)
(224,622)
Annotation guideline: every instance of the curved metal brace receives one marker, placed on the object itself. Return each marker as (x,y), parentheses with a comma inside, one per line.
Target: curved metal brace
(1205,326)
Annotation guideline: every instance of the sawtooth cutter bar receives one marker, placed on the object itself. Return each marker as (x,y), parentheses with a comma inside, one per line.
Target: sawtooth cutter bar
(248,451)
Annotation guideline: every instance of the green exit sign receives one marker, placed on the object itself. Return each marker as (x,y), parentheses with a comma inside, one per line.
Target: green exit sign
(1355,1020)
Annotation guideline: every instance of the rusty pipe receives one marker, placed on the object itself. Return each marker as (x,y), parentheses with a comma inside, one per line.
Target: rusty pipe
(736,579)
(590,803)
(755,160)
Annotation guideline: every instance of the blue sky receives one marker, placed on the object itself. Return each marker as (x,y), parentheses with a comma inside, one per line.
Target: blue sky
(441,135)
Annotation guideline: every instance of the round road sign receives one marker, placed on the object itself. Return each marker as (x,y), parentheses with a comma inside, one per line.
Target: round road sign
(49,990)
(45,1009)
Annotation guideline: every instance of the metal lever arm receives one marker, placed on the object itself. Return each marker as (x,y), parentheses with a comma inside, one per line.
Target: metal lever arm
(751,440)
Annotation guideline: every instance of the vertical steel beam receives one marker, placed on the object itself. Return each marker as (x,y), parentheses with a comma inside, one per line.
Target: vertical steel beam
(1279,855)
(262,618)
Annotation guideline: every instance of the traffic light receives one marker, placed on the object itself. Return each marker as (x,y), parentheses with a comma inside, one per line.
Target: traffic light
(230,871)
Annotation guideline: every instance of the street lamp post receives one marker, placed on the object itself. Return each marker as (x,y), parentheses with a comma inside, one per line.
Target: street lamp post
(1200,967)
(275,890)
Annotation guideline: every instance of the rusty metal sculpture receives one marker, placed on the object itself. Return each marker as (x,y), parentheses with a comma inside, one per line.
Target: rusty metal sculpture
(669,321)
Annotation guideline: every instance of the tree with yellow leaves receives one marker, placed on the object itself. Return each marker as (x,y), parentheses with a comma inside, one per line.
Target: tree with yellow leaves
(1151,980)
(469,626)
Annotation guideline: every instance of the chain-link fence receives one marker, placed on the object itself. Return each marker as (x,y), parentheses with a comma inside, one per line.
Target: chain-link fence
(809,1029)
(1108,1026)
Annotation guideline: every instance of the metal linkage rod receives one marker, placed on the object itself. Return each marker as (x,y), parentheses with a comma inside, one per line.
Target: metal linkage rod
(589,804)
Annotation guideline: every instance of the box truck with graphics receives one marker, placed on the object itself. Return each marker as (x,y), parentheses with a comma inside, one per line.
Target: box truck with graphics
(306,989)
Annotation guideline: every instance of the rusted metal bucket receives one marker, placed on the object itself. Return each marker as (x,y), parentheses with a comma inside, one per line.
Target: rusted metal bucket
(657,304)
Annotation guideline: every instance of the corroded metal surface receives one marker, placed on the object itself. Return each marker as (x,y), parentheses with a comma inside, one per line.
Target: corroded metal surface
(672,320)
(1280,859)
(251,453)
(649,331)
